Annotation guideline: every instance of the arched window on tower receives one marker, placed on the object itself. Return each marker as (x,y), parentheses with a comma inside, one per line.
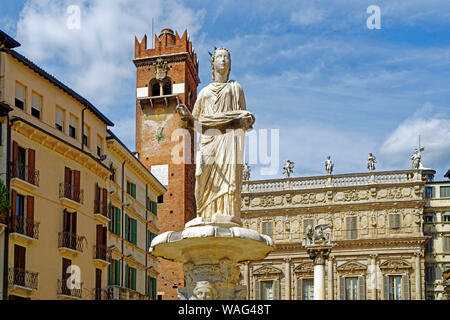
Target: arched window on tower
(167,87)
(156,91)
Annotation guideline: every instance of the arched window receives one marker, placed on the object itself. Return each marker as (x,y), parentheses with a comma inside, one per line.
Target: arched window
(156,90)
(167,87)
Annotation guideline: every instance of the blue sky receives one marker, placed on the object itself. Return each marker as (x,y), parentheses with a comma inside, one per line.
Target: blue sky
(310,69)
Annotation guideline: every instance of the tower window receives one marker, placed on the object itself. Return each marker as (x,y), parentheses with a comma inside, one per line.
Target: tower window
(155,90)
(167,88)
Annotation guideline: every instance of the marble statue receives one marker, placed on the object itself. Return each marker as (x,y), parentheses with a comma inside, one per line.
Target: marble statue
(220,115)
(416,160)
(371,160)
(287,168)
(246,172)
(329,165)
(204,290)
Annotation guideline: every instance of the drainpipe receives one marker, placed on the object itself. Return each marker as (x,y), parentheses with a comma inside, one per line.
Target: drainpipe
(6,231)
(123,215)
(146,237)
(82,128)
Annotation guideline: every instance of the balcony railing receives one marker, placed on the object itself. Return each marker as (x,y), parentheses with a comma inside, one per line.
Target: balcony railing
(67,190)
(24,226)
(121,293)
(101,252)
(102,294)
(25,173)
(63,289)
(341,180)
(71,241)
(23,278)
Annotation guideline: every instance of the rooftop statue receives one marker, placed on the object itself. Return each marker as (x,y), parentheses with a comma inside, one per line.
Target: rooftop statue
(329,165)
(371,160)
(288,168)
(220,115)
(246,172)
(416,160)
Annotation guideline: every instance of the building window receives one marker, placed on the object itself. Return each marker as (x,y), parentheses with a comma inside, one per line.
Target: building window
(73,126)
(429,274)
(267,228)
(99,146)
(167,88)
(429,192)
(19,100)
(446,218)
(112,177)
(308,289)
(395,287)
(151,287)
(267,290)
(351,228)
(351,288)
(131,189)
(114,273)
(156,91)
(36,105)
(444,192)
(114,223)
(130,277)
(429,245)
(446,244)
(428,219)
(86,135)
(59,119)
(394,221)
(130,229)
(161,199)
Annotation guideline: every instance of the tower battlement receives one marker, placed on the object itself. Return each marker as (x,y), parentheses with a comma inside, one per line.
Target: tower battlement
(166,43)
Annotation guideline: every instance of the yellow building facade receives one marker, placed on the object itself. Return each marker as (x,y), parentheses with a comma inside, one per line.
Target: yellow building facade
(134,194)
(56,230)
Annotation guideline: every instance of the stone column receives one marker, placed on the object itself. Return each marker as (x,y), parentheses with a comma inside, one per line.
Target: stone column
(287,272)
(330,279)
(374,276)
(418,282)
(246,279)
(319,255)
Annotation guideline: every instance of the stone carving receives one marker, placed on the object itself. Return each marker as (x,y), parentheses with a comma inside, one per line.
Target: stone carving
(394,265)
(351,195)
(371,162)
(266,270)
(295,225)
(220,115)
(329,165)
(160,69)
(246,172)
(314,234)
(337,224)
(229,271)
(308,198)
(288,168)
(352,267)
(204,290)
(304,268)
(416,160)
(373,218)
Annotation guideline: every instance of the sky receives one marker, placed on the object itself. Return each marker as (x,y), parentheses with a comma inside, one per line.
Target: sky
(319,81)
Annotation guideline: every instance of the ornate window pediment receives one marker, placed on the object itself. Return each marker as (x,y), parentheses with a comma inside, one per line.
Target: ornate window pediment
(267,270)
(304,268)
(394,265)
(352,267)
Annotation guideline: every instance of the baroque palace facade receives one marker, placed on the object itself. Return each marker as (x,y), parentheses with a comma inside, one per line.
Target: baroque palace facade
(376,223)
(83,206)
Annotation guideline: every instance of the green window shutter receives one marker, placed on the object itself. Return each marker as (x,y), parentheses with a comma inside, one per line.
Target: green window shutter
(299,289)
(276,289)
(127,226)
(127,278)
(362,288)
(134,231)
(386,288)
(156,208)
(110,223)
(257,290)
(110,276)
(118,215)
(154,286)
(341,288)
(117,271)
(133,190)
(133,278)
(405,287)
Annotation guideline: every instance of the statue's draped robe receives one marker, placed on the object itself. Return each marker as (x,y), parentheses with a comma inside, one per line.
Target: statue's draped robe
(218,171)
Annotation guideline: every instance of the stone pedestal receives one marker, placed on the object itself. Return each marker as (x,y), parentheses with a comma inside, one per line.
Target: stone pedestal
(210,254)
(319,254)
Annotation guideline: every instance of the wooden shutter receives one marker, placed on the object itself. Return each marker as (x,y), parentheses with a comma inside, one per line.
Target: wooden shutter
(30,216)
(354,227)
(65,275)
(15,151)
(446,244)
(104,232)
(97,199)
(133,278)
(74,222)
(127,279)
(348,227)
(299,289)
(105,202)
(257,290)
(117,271)
(19,257)
(110,276)
(386,287)
(276,289)
(127,228)
(134,231)
(76,185)
(361,288)
(31,166)
(14,209)
(67,182)
(98,278)
(154,285)
(341,288)
(133,190)
(111,218)
(65,221)
(405,287)
(99,234)
(118,214)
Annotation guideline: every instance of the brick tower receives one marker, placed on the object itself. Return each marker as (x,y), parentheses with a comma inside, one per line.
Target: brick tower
(167,75)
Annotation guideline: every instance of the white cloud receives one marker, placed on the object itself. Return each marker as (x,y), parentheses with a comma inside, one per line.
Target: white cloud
(307,16)
(434,131)
(95,60)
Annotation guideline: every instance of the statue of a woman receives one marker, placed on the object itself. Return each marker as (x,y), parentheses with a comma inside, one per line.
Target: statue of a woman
(220,116)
